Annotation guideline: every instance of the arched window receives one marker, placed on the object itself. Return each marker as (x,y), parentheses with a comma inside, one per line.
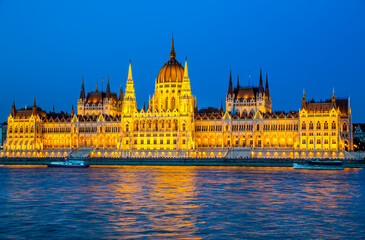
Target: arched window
(310,125)
(304,126)
(166,104)
(325,126)
(183,127)
(318,125)
(257,127)
(344,127)
(127,128)
(333,125)
(172,103)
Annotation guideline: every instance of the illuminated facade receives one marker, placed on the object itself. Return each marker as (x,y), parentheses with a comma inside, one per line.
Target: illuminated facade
(171,125)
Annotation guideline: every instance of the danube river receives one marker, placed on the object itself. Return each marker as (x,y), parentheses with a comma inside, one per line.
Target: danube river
(146,202)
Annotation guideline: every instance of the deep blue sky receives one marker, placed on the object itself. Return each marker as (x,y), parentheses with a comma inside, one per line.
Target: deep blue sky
(47,46)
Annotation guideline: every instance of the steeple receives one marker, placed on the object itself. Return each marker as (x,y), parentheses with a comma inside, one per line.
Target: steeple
(230,90)
(261,85)
(186,75)
(13,110)
(172,53)
(221,110)
(121,91)
(34,109)
(82,92)
(304,103)
(96,90)
(72,110)
(107,93)
(130,70)
(267,93)
(144,106)
(238,82)
(333,96)
(129,100)
(53,111)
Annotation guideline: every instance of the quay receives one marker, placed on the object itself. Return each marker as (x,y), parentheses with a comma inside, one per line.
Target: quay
(244,162)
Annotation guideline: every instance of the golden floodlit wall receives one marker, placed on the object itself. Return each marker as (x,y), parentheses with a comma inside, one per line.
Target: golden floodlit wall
(171,123)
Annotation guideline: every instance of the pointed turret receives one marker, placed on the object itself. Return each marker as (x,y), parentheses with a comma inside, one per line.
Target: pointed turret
(34,109)
(13,110)
(130,70)
(53,111)
(129,100)
(172,53)
(144,106)
(186,75)
(261,85)
(304,102)
(96,89)
(107,93)
(82,92)
(230,90)
(238,82)
(221,110)
(333,96)
(72,110)
(121,91)
(267,93)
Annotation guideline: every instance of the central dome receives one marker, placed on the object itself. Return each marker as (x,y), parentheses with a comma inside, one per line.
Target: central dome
(172,71)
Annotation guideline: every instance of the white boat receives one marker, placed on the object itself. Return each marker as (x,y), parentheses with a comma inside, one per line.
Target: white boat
(70,163)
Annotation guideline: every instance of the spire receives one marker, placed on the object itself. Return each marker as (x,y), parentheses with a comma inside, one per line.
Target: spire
(221,107)
(230,90)
(130,70)
(34,109)
(304,103)
(129,98)
(172,53)
(121,91)
(238,82)
(13,110)
(72,110)
(267,94)
(144,106)
(186,75)
(333,95)
(261,87)
(96,90)
(82,92)
(107,93)
(53,111)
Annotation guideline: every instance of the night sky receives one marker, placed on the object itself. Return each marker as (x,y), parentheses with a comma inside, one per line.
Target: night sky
(47,46)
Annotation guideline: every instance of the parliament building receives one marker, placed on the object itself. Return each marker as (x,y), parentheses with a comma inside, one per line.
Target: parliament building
(171,125)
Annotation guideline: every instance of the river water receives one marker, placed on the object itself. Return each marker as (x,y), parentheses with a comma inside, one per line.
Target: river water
(147,202)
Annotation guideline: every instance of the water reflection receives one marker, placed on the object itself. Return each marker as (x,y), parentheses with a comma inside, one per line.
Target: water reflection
(181,202)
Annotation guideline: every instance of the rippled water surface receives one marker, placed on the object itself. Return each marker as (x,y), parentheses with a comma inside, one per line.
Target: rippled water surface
(181,203)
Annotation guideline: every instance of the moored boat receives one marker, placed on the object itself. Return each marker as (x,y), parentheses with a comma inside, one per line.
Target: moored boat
(69,163)
(317,166)
(324,162)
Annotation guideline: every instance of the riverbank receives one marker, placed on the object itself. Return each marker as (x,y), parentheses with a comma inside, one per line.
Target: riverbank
(249,162)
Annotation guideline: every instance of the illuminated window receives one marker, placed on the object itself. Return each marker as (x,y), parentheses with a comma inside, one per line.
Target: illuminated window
(318,141)
(318,125)
(344,127)
(333,125)
(325,126)
(311,126)
(173,103)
